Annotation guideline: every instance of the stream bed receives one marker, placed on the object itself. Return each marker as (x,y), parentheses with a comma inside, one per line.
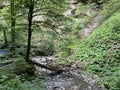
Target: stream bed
(69,79)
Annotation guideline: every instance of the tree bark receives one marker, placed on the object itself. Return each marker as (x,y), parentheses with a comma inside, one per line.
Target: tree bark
(5,38)
(13,22)
(30,17)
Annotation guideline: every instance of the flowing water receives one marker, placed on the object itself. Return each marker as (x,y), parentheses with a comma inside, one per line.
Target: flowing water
(4,52)
(69,79)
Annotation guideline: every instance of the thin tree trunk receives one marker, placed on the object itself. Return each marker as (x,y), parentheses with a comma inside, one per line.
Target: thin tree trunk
(30,16)
(13,22)
(5,38)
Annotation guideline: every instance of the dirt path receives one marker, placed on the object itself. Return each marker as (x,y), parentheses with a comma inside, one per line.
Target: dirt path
(85,32)
(89,28)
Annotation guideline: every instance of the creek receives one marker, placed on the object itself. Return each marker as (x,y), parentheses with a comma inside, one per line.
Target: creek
(70,79)
(4,52)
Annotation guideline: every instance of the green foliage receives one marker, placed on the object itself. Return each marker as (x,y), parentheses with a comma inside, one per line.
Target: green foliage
(15,83)
(101,52)
(44,47)
(22,67)
(10,81)
(110,8)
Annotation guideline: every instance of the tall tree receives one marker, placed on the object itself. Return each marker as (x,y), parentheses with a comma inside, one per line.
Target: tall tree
(13,19)
(51,10)
(30,17)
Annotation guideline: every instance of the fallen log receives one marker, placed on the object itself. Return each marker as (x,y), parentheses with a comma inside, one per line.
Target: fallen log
(52,68)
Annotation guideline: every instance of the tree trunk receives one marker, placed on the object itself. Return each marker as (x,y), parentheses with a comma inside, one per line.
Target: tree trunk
(13,22)
(30,16)
(5,38)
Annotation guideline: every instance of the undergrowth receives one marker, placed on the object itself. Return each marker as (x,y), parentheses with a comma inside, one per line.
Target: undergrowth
(101,52)
(16,77)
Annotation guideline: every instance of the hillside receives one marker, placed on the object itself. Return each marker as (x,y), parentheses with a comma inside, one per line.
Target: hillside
(60,45)
(100,52)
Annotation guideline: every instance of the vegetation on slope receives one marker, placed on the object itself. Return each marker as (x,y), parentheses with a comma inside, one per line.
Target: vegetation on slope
(101,52)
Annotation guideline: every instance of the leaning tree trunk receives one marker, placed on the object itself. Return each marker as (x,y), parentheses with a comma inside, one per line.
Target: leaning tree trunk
(30,16)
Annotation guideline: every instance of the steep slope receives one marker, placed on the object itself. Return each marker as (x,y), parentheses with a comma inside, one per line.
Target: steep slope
(101,52)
